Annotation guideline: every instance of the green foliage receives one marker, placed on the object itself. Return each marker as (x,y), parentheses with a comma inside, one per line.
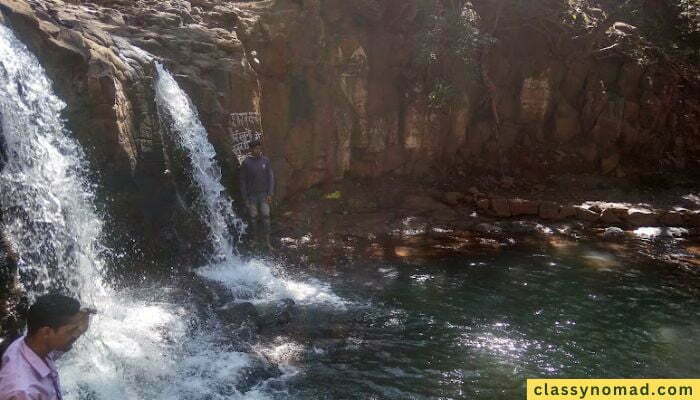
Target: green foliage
(671,27)
(451,34)
(442,94)
(448,48)
(333,196)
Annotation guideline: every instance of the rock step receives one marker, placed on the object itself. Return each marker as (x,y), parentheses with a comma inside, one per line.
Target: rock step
(597,212)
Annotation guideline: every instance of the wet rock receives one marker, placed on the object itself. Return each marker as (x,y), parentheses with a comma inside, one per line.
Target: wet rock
(609,216)
(281,313)
(500,207)
(672,218)
(567,211)
(693,218)
(239,313)
(483,204)
(422,203)
(259,370)
(524,207)
(586,214)
(522,227)
(613,233)
(641,217)
(550,210)
(453,198)
(444,216)
(675,232)
(487,228)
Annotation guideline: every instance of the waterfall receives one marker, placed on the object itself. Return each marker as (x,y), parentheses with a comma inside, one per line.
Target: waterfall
(140,345)
(253,280)
(44,186)
(179,114)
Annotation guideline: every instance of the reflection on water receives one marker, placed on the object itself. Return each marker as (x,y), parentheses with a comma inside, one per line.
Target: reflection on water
(478,328)
(599,260)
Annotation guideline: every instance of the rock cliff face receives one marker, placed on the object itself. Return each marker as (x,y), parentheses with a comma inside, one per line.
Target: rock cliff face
(345,91)
(345,88)
(100,56)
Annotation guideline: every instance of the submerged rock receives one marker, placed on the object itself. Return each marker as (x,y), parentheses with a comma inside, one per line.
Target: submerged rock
(485,227)
(550,210)
(613,233)
(281,313)
(239,313)
(642,217)
(501,207)
(524,207)
(260,370)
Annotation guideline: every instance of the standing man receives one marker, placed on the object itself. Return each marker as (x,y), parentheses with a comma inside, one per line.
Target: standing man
(28,370)
(257,188)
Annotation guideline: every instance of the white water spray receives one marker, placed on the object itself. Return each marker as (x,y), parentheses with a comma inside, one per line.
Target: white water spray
(253,280)
(134,349)
(178,112)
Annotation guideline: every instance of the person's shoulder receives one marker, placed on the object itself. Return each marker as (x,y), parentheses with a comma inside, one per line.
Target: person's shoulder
(17,383)
(21,394)
(15,370)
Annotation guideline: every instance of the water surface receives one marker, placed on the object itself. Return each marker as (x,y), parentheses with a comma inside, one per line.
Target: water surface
(478,327)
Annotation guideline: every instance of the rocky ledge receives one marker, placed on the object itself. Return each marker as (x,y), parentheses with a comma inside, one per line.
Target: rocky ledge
(396,219)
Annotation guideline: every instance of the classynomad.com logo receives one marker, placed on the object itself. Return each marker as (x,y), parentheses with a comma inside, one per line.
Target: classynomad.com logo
(613,389)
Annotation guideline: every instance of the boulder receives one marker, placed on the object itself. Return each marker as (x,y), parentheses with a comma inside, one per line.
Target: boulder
(239,313)
(586,214)
(523,207)
(692,218)
(500,207)
(422,203)
(281,313)
(613,233)
(444,216)
(488,228)
(522,227)
(609,216)
(483,204)
(637,216)
(453,198)
(567,211)
(672,218)
(550,210)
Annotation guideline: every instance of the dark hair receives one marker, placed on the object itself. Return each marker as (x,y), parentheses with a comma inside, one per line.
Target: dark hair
(255,143)
(52,310)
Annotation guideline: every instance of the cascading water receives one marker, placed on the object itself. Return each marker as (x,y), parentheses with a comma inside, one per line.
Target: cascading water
(135,349)
(177,112)
(50,211)
(252,279)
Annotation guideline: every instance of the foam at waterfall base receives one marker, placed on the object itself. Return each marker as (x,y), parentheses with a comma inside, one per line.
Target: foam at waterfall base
(153,350)
(139,346)
(255,281)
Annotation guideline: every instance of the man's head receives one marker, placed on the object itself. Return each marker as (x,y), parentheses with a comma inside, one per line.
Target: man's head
(56,321)
(256,148)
